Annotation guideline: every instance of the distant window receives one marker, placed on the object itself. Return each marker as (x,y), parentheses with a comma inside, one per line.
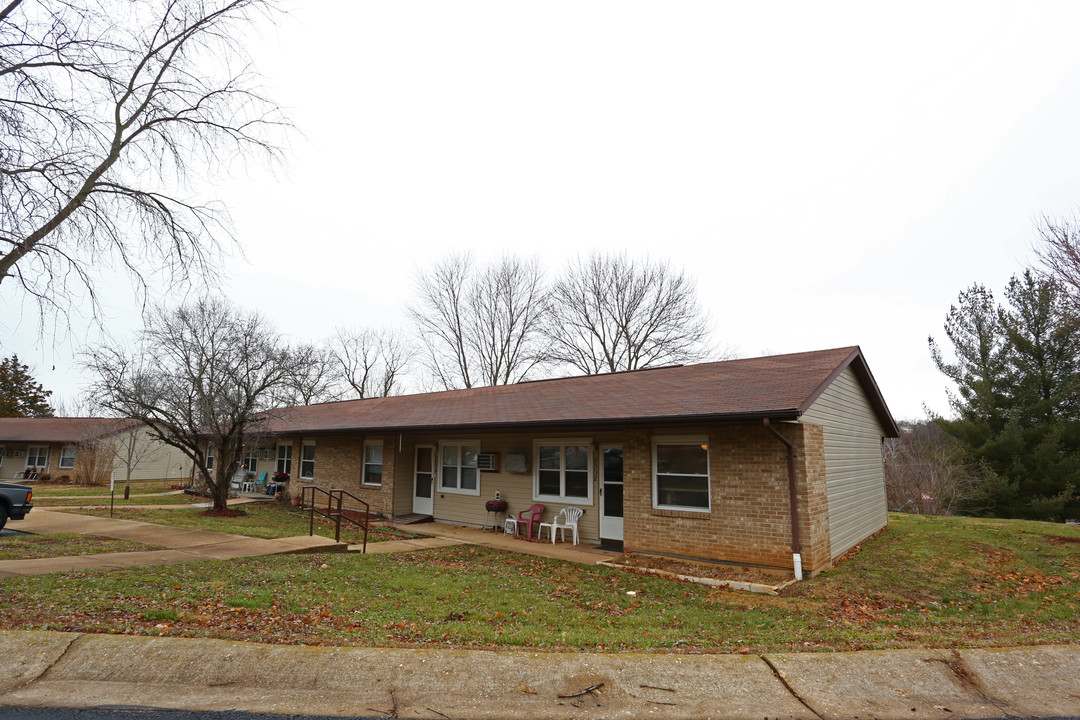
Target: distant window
(251,460)
(37,456)
(67,457)
(284,459)
(373,452)
(209,457)
(307,462)
(458,472)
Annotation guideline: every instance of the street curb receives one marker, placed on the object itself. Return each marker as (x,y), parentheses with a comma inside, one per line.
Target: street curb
(54,670)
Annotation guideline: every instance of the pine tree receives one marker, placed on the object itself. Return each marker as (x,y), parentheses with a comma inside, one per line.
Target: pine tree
(20,394)
(1017,376)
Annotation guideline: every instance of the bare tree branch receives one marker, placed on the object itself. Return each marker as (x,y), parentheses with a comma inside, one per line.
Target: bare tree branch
(371,362)
(106,107)
(480,325)
(611,313)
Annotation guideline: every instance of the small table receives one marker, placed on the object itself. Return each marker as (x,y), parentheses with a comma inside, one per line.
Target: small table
(510,526)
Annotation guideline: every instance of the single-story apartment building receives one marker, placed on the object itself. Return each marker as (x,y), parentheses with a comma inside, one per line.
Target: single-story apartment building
(772,461)
(69,446)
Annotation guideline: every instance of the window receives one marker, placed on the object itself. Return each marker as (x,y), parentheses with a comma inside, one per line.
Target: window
(373,462)
(209,457)
(563,471)
(37,457)
(284,459)
(307,461)
(681,474)
(1,455)
(459,472)
(251,460)
(67,457)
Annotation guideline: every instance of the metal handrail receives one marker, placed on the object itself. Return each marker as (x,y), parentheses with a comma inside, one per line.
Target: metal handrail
(336,514)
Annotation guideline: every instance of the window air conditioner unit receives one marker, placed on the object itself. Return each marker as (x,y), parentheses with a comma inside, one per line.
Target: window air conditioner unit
(20,453)
(488,462)
(265,454)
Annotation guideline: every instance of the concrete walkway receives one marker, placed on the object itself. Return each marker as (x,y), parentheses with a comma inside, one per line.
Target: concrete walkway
(581,553)
(182,544)
(50,669)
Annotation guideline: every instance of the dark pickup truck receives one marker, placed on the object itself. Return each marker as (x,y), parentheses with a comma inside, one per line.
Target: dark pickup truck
(14,502)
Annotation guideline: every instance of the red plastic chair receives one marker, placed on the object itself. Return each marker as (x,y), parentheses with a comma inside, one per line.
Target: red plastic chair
(533,514)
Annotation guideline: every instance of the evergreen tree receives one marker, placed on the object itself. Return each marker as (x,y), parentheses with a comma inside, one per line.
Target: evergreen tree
(1017,414)
(974,328)
(20,394)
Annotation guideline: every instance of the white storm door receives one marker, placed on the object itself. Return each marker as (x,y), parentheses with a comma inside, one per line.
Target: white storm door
(611,493)
(423,502)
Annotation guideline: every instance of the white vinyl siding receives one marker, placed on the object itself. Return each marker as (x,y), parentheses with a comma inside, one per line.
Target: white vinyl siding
(854,474)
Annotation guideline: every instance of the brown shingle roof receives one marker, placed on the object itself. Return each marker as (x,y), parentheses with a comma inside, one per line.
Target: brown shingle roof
(778,387)
(57,430)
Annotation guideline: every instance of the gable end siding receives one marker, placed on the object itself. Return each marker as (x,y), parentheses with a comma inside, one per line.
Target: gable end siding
(855,477)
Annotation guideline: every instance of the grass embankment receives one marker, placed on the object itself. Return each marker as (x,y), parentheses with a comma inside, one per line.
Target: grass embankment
(32,547)
(98,501)
(926,582)
(46,489)
(261,520)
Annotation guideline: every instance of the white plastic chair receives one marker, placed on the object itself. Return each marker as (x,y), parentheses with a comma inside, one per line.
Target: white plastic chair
(567,519)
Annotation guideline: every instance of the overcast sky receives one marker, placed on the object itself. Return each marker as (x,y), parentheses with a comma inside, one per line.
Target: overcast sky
(830,173)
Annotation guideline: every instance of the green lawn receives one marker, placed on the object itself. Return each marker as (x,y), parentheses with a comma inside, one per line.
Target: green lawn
(926,582)
(27,547)
(103,500)
(262,520)
(44,489)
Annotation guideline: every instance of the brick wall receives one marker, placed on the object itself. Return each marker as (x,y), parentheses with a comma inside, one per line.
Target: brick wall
(339,462)
(749,519)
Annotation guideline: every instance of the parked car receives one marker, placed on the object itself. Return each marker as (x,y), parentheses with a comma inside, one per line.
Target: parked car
(14,502)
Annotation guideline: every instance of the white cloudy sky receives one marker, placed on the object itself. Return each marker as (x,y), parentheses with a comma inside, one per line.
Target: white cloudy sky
(830,173)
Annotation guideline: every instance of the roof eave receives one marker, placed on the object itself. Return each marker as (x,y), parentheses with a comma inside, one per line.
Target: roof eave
(600,423)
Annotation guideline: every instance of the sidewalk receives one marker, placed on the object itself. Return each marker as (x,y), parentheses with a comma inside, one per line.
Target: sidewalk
(50,669)
(182,544)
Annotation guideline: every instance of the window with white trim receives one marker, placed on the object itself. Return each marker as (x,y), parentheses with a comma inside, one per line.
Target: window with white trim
(563,471)
(681,474)
(209,457)
(67,457)
(373,454)
(37,456)
(251,460)
(458,471)
(2,452)
(307,461)
(284,459)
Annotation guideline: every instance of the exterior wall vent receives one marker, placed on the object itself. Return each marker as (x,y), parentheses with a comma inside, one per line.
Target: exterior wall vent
(488,462)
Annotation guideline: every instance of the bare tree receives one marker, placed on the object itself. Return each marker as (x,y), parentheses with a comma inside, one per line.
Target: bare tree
(93,462)
(480,325)
(200,379)
(1059,253)
(315,381)
(106,109)
(926,472)
(612,313)
(371,362)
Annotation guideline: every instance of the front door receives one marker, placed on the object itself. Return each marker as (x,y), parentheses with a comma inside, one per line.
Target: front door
(423,501)
(611,495)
